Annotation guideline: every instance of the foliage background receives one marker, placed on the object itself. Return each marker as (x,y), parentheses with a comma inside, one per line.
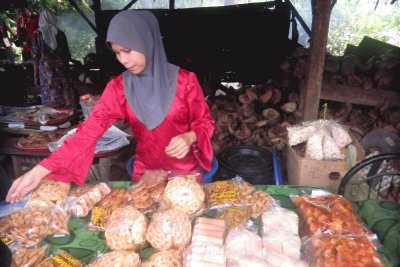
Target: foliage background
(351,20)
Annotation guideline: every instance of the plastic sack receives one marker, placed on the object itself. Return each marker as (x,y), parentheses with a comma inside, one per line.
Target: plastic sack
(27,257)
(332,251)
(299,134)
(126,229)
(117,258)
(331,214)
(184,194)
(314,146)
(243,243)
(6,207)
(222,194)
(340,135)
(235,216)
(60,258)
(331,150)
(169,229)
(166,258)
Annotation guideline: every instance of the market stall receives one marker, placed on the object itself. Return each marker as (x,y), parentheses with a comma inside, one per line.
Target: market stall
(211,222)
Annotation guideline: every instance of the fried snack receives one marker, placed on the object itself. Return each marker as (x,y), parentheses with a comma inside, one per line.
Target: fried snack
(166,258)
(235,216)
(183,193)
(117,258)
(332,251)
(83,200)
(169,229)
(126,228)
(222,194)
(30,226)
(52,191)
(258,199)
(28,257)
(60,259)
(39,139)
(59,222)
(118,197)
(329,214)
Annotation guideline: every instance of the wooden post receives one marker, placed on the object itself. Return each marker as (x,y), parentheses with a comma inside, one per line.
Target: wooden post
(311,89)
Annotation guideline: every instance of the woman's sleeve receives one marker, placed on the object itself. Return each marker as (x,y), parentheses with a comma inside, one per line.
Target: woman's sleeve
(71,161)
(201,122)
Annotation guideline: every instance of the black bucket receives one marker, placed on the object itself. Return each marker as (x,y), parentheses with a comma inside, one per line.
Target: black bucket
(252,163)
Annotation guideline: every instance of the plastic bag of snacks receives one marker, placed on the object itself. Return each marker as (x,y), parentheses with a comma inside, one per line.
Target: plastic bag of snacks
(118,197)
(126,228)
(60,258)
(281,241)
(27,256)
(120,258)
(331,251)
(235,216)
(169,229)
(184,194)
(50,191)
(222,194)
(149,190)
(330,213)
(258,200)
(81,200)
(166,258)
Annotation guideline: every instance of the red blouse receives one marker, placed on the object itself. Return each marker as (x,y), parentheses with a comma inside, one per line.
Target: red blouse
(189,112)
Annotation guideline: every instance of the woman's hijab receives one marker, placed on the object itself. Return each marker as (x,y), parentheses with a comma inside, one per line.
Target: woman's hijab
(47,26)
(150,93)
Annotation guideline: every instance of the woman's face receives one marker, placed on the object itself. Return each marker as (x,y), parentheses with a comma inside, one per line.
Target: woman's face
(133,61)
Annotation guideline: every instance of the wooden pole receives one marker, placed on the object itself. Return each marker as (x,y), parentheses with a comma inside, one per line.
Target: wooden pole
(311,89)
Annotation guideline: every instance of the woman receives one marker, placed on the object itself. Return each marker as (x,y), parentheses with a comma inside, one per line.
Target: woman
(50,54)
(163,103)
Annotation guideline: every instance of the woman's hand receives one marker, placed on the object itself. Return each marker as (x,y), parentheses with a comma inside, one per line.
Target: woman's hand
(26,183)
(179,146)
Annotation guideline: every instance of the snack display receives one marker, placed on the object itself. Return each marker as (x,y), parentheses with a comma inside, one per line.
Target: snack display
(126,228)
(183,193)
(169,229)
(329,214)
(117,258)
(166,258)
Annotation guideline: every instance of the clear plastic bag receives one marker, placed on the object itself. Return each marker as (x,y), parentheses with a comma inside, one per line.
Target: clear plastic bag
(331,214)
(169,229)
(314,148)
(299,134)
(340,134)
(120,258)
(118,197)
(27,256)
(126,229)
(60,258)
(184,194)
(331,251)
(51,191)
(166,258)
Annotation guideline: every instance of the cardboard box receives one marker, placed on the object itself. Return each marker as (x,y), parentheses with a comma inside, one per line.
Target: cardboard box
(317,173)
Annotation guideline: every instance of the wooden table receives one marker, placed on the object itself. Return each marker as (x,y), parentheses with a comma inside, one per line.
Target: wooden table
(23,161)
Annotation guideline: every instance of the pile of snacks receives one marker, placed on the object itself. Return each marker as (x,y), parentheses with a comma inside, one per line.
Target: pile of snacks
(225,223)
(39,139)
(324,139)
(334,236)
